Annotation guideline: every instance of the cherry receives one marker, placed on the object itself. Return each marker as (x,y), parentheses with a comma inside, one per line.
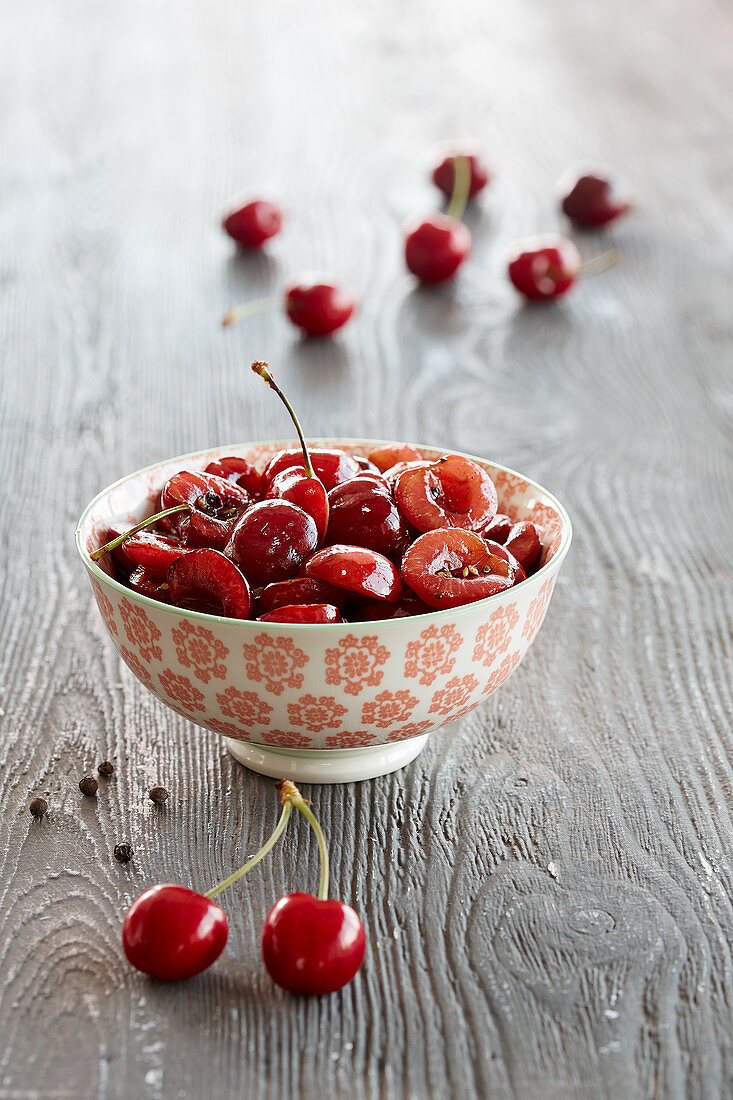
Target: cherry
(299,590)
(524,543)
(377,610)
(206,579)
(450,567)
(171,933)
(272,540)
(317,306)
(363,513)
(254,223)
(452,492)
(332,466)
(437,246)
(498,529)
(141,581)
(389,454)
(117,541)
(500,551)
(303,613)
(365,465)
(240,471)
(358,570)
(594,199)
(544,268)
(155,552)
(444,173)
(215,505)
(312,946)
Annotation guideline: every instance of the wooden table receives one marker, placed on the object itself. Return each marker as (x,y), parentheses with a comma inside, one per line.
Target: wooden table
(548,888)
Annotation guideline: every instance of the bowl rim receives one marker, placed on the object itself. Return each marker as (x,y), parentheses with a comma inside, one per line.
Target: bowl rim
(201,616)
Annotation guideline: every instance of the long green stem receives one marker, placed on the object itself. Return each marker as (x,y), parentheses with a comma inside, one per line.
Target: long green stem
(266,375)
(249,308)
(119,539)
(461,188)
(307,812)
(276,834)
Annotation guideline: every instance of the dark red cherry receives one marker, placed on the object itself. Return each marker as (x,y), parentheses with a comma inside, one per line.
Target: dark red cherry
(451,567)
(544,268)
(365,466)
(147,585)
(498,529)
(524,543)
(388,455)
(232,468)
(271,541)
(358,570)
(594,199)
(206,580)
(156,553)
(312,946)
(452,492)
(435,247)
(295,485)
(216,506)
(500,551)
(254,223)
(299,590)
(318,306)
(332,466)
(172,933)
(378,610)
(363,513)
(444,173)
(303,613)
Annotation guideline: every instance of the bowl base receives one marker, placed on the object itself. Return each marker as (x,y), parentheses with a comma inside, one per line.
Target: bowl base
(327,765)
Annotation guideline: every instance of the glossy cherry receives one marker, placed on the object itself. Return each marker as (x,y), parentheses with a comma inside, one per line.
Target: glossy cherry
(271,541)
(544,268)
(215,506)
(331,465)
(451,567)
(498,528)
(445,172)
(233,468)
(452,492)
(253,223)
(524,543)
(435,247)
(207,580)
(154,552)
(311,945)
(318,306)
(363,513)
(146,584)
(388,455)
(594,198)
(378,610)
(299,590)
(172,933)
(357,570)
(499,551)
(303,613)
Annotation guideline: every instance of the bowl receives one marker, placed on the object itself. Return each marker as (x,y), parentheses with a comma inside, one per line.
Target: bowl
(322,703)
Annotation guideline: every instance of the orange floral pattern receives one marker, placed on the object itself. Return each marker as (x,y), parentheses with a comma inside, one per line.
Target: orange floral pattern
(197,648)
(537,609)
(493,637)
(141,631)
(228,729)
(245,705)
(456,693)
(389,708)
(134,663)
(275,662)
(500,674)
(413,730)
(286,739)
(316,714)
(433,654)
(354,663)
(348,740)
(181,690)
(105,607)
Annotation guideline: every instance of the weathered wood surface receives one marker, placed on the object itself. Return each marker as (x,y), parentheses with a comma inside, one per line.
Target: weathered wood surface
(548,888)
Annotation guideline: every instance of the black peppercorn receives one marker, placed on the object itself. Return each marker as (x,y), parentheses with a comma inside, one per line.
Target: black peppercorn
(38,807)
(157,795)
(88,785)
(105,768)
(123,853)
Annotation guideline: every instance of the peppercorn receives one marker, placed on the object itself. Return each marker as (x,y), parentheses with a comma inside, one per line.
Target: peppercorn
(123,852)
(88,785)
(38,807)
(105,768)
(157,795)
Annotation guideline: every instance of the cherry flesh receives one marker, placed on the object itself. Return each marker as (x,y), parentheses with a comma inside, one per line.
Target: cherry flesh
(254,223)
(594,199)
(312,946)
(358,570)
(295,485)
(498,529)
(172,933)
(317,306)
(544,268)
(154,552)
(452,492)
(500,551)
(208,580)
(389,454)
(363,513)
(444,174)
(303,613)
(232,468)
(524,543)
(303,590)
(153,587)
(216,505)
(271,541)
(451,567)
(332,466)
(435,247)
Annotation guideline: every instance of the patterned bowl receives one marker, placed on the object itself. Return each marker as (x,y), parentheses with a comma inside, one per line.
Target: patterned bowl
(322,703)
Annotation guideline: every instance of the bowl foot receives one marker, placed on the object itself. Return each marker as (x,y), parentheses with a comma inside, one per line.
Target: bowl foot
(327,765)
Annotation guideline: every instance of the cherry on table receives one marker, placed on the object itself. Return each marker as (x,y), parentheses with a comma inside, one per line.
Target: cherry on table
(207,580)
(452,492)
(594,198)
(358,570)
(544,268)
(318,306)
(435,247)
(311,945)
(451,567)
(303,613)
(172,933)
(445,172)
(271,541)
(253,223)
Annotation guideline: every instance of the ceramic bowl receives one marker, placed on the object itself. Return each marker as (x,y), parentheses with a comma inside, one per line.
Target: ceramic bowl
(331,702)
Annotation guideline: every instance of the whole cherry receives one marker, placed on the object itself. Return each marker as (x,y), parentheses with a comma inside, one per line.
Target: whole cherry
(172,933)
(593,198)
(253,223)
(545,268)
(313,303)
(436,246)
(444,173)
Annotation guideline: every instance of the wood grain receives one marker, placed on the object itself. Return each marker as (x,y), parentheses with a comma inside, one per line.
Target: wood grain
(548,888)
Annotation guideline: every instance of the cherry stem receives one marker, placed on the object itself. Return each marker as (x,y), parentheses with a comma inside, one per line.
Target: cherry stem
(240,312)
(301,804)
(600,263)
(264,372)
(274,837)
(461,188)
(119,539)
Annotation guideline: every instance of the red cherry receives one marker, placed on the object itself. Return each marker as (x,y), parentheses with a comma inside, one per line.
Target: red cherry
(332,466)
(452,492)
(500,551)
(444,174)
(308,493)
(312,946)
(303,613)
(524,543)
(299,590)
(216,506)
(147,585)
(451,567)
(207,580)
(358,570)
(389,454)
(365,466)
(377,610)
(172,933)
(498,529)
(155,552)
(363,513)
(240,471)
(594,199)
(254,223)
(272,540)
(544,268)
(436,247)
(317,306)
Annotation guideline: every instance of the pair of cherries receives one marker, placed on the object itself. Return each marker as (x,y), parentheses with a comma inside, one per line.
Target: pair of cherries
(309,944)
(322,536)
